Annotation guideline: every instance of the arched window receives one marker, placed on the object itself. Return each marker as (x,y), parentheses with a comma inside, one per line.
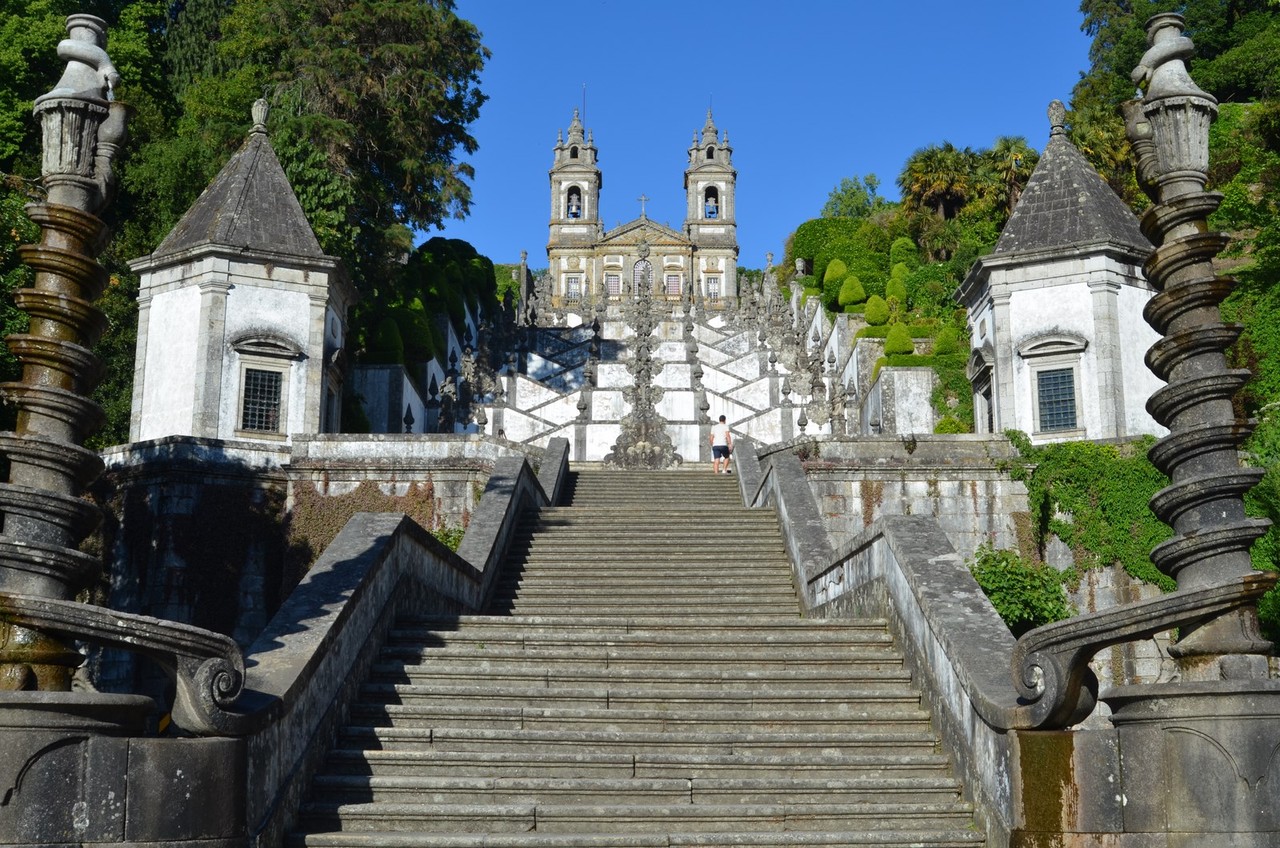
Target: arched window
(573,152)
(573,203)
(711,152)
(642,274)
(711,203)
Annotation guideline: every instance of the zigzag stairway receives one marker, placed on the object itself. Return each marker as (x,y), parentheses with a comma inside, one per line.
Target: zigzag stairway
(642,679)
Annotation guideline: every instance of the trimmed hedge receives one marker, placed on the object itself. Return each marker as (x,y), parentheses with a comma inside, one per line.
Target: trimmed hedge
(877,311)
(898,342)
(851,291)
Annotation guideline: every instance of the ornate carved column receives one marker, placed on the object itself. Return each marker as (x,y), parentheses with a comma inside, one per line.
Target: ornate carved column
(1204,503)
(44,517)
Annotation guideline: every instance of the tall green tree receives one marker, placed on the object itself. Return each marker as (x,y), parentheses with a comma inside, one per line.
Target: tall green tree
(854,198)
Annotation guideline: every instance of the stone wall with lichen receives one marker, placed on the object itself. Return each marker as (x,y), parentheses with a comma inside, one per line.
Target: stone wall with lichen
(217,534)
(959,480)
(955,479)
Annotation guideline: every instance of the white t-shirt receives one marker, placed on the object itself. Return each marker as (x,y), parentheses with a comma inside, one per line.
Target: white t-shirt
(719,434)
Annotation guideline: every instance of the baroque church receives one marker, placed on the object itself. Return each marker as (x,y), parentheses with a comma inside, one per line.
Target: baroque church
(589,263)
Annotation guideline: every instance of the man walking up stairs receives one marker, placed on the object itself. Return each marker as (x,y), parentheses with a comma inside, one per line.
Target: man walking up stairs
(643,679)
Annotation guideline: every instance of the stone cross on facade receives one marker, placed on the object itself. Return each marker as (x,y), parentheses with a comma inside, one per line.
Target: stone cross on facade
(642,198)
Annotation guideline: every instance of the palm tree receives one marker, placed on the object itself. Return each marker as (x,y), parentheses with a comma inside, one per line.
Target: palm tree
(939,178)
(1004,170)
(1098,132)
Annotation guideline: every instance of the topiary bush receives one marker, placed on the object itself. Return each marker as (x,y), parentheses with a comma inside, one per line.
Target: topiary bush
(851,291)
(898,342)
(877,311)
(385,346)
(896,289)
(834,272)
(948,341)
(1025,594)
(904,251)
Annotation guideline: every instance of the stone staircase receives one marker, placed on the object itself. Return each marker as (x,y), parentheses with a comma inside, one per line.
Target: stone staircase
(643,679)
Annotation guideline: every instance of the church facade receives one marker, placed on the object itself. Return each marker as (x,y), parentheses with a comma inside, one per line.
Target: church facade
(588,264)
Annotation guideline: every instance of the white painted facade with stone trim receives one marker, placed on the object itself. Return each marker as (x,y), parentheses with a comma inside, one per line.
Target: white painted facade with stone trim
(1080,313)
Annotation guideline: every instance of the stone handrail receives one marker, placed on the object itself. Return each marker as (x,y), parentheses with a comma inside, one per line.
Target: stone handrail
(206,668)
(307,665)
(904,568)
(784,484)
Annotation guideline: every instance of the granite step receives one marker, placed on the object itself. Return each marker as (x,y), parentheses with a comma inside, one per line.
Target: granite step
(701,743)
(712,720)
(933,791)
(675,677)
(586,764)
(538,695)
(767,839)
(712,628)
(651,818)
(614,656)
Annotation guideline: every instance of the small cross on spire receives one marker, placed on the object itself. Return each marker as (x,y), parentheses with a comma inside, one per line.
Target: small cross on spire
(642,198)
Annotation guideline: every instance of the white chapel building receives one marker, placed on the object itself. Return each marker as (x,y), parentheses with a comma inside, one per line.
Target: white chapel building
(1055,311)
(242,317)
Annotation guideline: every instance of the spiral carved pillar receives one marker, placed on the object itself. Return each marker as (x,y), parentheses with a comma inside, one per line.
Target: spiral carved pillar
(45,519)
(1204,503)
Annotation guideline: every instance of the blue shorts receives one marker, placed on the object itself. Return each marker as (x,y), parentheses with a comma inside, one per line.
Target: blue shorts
(720,451)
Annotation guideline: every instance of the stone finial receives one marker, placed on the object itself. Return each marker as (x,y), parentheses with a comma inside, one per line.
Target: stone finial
(1057,118)
(768,261)
(89,72)
(1162,70)
(259,111)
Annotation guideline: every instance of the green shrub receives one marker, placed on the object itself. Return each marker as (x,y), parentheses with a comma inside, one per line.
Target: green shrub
(1095,499)
(949,424)
(898,341)
(385,347)
(877,311)
(904,251)
(896,289)
(855,308)
(948,341)
(812,235)
(916,331)
(450,535)
(1025,594)
(835,271)
(851,291)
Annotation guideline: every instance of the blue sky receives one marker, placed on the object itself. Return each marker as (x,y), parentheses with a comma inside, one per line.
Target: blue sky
(810,91)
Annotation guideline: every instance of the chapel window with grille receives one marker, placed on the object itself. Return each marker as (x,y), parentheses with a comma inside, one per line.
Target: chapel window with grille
(260,410)
(1056,390)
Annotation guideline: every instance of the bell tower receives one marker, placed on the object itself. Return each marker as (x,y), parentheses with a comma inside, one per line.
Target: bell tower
(710,185)
(575,189)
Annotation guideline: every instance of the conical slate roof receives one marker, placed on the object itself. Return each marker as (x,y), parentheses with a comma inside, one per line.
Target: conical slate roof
(248,206)
(1066,204)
